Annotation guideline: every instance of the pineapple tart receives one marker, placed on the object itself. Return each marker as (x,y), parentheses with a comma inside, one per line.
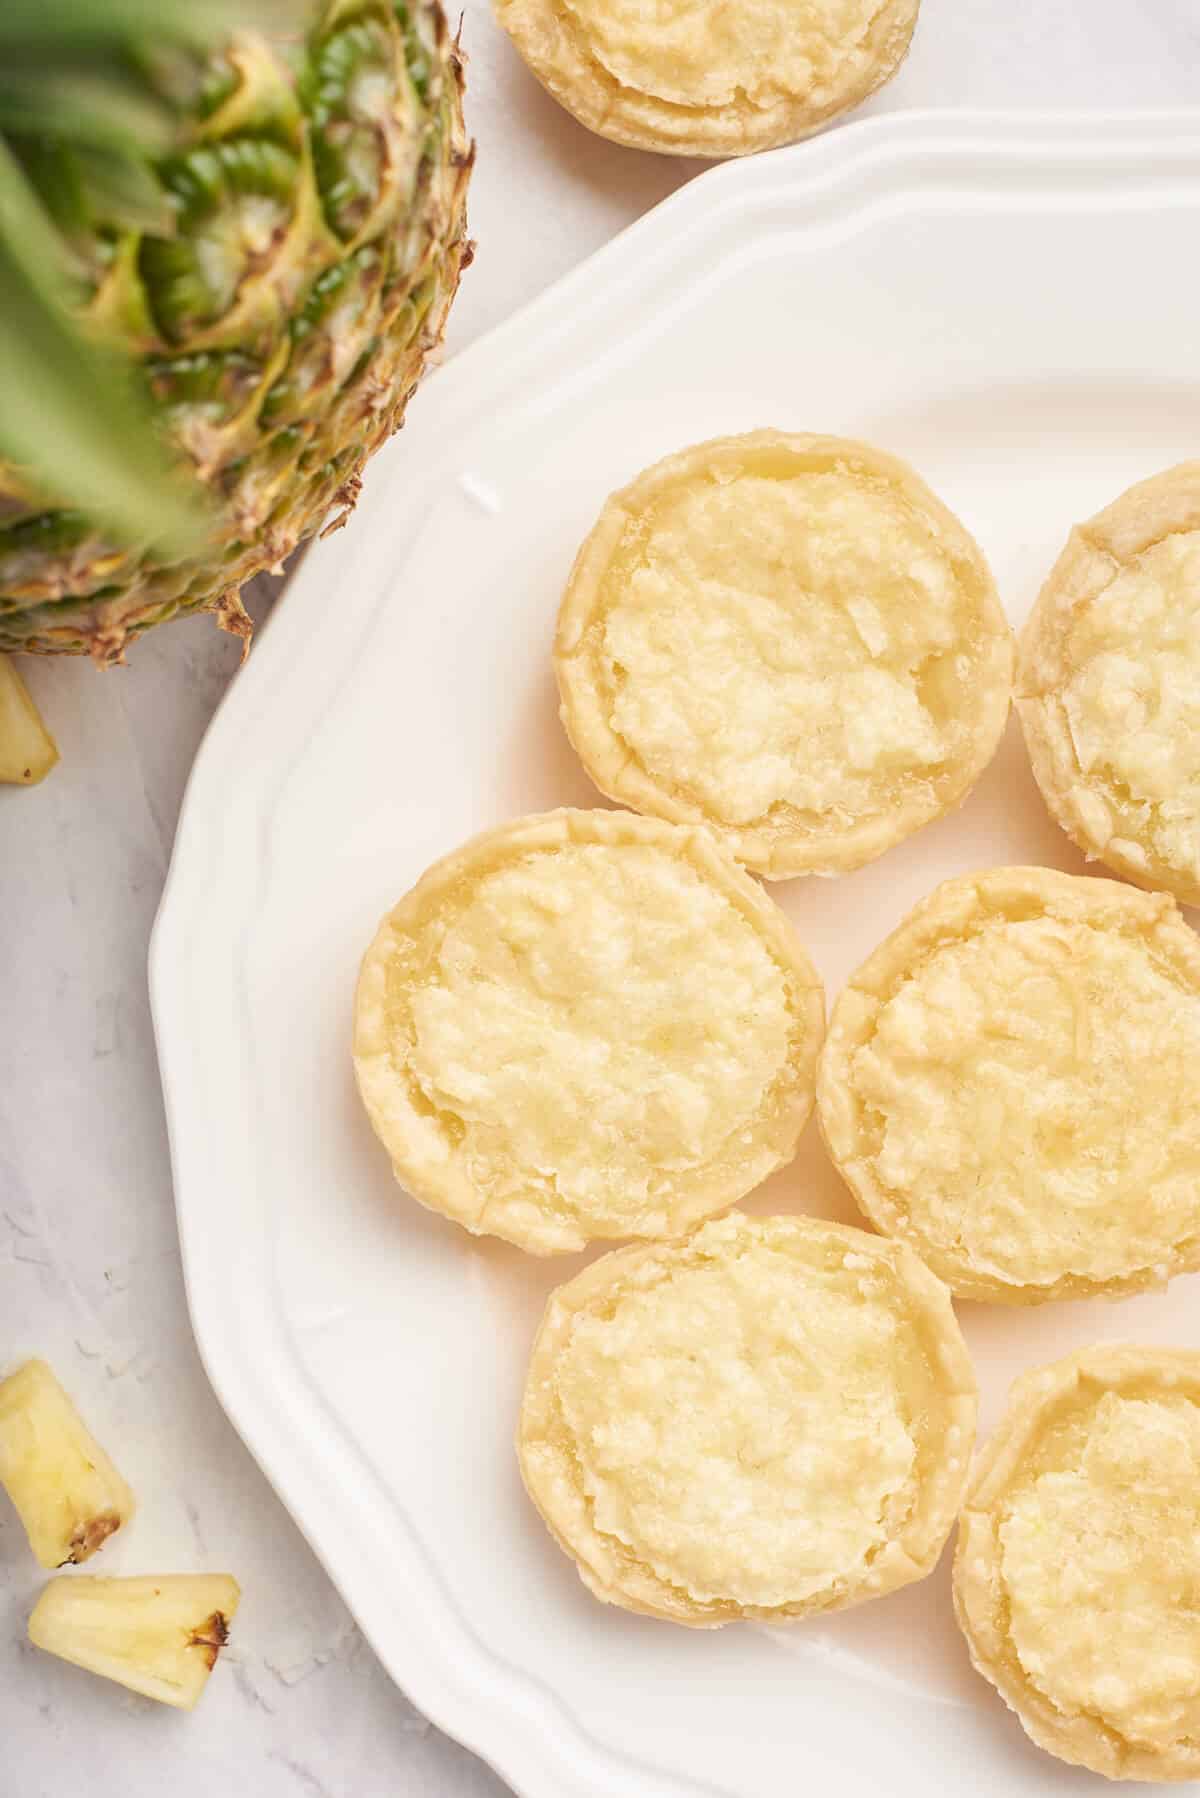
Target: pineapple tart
(702,79)
(1078,1561)
(1012,1085)
(790,639)
(1109,685)
(586,1025)
(770,1419)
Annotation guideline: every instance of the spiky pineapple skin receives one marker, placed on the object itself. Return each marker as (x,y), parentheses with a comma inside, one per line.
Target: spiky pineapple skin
(332,176)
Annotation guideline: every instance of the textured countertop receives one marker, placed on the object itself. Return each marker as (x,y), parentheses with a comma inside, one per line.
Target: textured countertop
(89,1268)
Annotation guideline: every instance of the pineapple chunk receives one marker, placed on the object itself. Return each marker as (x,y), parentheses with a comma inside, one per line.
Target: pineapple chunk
(27,750)
(156,1636)
(67,1492)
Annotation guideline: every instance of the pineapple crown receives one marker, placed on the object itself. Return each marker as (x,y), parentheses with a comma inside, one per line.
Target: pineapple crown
(92,93)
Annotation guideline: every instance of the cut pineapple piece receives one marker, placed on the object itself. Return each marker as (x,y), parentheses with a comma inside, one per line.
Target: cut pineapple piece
(27,750)
(67,1492)
(160,1637)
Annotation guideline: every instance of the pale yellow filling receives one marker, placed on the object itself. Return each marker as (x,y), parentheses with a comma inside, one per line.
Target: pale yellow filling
(748,1439)
(590,1025)
(796,641)
(1033,1099)
(1100,1556)
(713,52)
(1132,704)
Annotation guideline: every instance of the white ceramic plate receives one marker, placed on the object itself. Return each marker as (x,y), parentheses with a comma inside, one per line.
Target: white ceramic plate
(1010,303)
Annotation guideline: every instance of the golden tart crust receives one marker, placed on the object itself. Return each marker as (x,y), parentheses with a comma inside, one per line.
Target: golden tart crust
(1011,1083)
(585,1025)
(1078,1561)
(769,1419)
(1109,685)
(704,79)
(790,639)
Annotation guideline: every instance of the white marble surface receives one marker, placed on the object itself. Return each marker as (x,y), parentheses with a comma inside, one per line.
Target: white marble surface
(89,1272)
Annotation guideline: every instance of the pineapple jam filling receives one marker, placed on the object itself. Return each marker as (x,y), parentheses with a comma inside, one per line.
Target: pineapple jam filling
(1029,1102)
(1132,707)
(1099,1539)
(789,639)
(757,52)
(796,1399)
(597,1029)
(785,641)
(770,1417)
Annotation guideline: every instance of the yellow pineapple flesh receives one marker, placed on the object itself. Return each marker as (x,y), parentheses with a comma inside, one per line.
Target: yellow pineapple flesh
(158,1636)
(27,750)
(66,1491)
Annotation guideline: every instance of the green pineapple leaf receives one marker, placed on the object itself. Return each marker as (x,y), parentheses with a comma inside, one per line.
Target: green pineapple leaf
(106,105)
(122,190)
(85,111)
(46,29)
(70,417)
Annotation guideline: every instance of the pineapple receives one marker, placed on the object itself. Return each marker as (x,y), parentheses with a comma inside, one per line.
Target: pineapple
(66,1491)
(158,1636)
(27,750)
(229,237)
